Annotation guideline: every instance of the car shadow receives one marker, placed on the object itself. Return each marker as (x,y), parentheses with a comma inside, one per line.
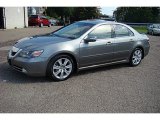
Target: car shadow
(8,75)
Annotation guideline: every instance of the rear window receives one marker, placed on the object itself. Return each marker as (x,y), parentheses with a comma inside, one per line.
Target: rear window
(34,16)
(43,17)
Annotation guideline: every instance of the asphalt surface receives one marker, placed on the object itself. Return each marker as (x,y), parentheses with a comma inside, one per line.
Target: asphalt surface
(110,89)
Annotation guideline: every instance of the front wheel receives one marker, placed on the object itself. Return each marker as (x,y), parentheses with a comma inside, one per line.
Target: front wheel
(61,67)
(136,57)
(49,25)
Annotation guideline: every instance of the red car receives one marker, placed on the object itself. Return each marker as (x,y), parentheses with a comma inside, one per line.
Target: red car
(37,20)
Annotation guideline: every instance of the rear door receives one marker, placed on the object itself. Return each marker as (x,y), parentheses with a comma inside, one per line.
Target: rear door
(124,40)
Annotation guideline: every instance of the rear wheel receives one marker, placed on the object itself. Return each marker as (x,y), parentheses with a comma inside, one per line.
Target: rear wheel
(61,67)
(136,57)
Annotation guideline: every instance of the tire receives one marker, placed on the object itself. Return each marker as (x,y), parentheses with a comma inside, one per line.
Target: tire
(49,25)
(41,25)
(136,57)
(59,72)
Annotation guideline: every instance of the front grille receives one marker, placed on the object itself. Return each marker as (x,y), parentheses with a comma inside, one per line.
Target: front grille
(17,68)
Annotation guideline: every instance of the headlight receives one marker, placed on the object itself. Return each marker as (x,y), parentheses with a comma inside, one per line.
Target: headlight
(30,54)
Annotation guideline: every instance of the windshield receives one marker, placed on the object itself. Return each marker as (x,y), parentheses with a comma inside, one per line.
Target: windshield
(156,25)
(74,30)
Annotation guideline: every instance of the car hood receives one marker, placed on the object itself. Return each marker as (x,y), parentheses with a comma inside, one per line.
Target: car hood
(39,41)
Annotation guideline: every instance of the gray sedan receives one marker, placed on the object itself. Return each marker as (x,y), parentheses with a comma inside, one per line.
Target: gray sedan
(154,29)
(81,45)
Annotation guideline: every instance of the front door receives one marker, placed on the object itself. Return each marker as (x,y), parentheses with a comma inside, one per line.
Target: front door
(99,51)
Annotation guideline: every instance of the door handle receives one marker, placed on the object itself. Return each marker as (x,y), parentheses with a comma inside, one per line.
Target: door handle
(108,43)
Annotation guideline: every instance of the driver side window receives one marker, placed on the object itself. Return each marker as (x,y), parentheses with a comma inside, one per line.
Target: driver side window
(101,32)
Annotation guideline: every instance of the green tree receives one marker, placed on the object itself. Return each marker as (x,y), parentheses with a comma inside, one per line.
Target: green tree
(83,13)
(73,13)
(137,14)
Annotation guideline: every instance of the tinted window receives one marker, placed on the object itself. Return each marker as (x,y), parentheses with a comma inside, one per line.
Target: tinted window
(101,32)
(121,31)
(34,16)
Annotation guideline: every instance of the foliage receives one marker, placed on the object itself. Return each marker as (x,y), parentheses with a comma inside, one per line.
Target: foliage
(74,13)
(137,14)
(140,29)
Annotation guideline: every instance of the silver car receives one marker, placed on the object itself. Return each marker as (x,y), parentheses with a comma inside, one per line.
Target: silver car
(154,29)
(81,45)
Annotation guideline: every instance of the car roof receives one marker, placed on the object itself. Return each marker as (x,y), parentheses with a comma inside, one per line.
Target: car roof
(97,21)
(156,24)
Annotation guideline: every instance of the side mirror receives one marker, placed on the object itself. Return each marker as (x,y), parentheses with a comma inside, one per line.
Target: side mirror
(90,39)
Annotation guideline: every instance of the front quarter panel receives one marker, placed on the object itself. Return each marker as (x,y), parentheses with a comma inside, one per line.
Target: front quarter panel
(67,47)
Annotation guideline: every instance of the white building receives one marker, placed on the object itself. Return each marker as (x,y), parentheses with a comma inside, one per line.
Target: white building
(36,10)
(13,17)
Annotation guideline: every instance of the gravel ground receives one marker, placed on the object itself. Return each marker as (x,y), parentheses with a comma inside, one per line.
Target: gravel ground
(8,37)
(111,89)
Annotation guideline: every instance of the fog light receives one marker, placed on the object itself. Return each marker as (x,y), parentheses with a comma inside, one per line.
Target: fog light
(23,70)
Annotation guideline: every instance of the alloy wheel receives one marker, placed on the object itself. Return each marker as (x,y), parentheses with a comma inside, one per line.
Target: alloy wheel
(62,68)
(137,57)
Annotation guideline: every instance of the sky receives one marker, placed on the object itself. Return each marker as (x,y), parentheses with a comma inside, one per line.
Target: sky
(108,10)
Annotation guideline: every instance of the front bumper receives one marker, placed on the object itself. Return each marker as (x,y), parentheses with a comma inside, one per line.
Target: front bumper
(32,67)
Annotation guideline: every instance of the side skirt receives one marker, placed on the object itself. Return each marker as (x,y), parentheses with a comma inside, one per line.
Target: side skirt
(104,64)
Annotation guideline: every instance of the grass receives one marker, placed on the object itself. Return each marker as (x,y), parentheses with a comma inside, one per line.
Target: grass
(140,29)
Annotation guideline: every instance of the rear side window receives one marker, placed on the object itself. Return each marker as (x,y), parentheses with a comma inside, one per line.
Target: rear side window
(101,32)
(121,31)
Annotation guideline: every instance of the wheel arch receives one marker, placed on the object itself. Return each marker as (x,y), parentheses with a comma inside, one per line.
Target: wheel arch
(64,53)
(140,47)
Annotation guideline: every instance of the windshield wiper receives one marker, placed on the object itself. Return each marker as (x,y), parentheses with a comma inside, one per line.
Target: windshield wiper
(70,37)
(57,35)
